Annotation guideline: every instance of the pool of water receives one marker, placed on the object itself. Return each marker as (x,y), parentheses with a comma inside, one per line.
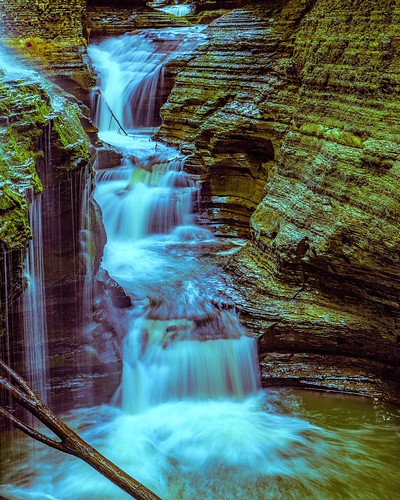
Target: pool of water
(275,444)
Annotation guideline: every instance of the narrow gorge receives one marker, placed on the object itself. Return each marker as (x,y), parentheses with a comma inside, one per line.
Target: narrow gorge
(199,219)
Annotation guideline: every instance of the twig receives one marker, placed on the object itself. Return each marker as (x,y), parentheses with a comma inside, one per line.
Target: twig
(112,113)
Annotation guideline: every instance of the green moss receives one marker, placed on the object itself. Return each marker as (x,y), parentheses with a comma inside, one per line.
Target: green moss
(332,134)
(71,139)
(29,109)
(8,199)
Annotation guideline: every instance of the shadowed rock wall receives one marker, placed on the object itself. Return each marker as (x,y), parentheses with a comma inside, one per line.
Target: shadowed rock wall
(290,115)
(43,149)
(290,118)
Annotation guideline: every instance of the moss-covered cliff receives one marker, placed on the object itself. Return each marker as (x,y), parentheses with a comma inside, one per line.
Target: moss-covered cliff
(291,117)
(42,143)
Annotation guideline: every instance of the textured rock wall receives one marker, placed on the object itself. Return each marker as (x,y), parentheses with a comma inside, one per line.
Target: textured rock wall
(113,21)
(43,149)
(290,115)
(201,5)
(26,111)
(50,34)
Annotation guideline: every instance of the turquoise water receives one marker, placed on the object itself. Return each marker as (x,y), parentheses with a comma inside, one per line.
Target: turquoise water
(274,444)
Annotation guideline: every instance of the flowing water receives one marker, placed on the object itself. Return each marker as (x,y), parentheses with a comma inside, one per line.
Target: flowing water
(177,10)
(190,419)
(34,306)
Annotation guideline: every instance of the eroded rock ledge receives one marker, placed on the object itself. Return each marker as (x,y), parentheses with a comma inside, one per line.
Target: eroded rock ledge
(290,115)
(51,35)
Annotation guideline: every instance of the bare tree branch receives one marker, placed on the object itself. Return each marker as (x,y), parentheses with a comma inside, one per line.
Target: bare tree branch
(70,442)
(29,431)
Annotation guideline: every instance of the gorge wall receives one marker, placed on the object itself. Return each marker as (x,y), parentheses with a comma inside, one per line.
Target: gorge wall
(51,35)
(289,116)
(44,152)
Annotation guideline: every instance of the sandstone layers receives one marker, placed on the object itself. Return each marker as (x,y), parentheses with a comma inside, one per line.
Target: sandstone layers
(51,34)
(290,115)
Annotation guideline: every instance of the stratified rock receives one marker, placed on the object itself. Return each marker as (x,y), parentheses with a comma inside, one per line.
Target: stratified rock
(290,115)
(208,5)
(114,21)
(51,35)
(45,152)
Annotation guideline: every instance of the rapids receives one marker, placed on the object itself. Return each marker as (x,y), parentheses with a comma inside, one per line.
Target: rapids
(190,419)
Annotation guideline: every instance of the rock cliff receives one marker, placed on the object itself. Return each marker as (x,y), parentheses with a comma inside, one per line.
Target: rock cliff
(43,152)
(290,117)
(51,35)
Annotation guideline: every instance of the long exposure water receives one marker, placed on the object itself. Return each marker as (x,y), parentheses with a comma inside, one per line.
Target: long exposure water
(190,419)
(34,305)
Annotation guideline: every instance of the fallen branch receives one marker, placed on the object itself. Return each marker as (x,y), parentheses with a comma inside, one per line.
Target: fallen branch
(112,112)
(69,442)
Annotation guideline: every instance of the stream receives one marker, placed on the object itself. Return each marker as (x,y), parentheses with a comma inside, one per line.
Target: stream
(190,419)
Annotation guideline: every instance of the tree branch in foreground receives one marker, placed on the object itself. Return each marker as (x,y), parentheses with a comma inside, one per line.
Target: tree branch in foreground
(69,442)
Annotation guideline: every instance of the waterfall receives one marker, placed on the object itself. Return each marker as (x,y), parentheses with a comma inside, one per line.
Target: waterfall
(86,242)
(182,346)
(131,72)
(129,75)
(177,10)
(34,306)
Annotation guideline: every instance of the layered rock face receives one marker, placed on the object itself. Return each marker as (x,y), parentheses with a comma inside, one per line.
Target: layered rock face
(201,5)
(51,35)
(106,20)
(290,115)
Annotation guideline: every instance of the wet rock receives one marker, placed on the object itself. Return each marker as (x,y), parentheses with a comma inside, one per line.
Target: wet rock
(108,157)
(117,294)
(44,149)
(287,115)
(113,21)
(51,35)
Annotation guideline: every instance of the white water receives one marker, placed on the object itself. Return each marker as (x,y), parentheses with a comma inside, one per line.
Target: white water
(182,346)
(178,10)
(86,243)
(34,306)
(190,393)
(189,419)
(131,71)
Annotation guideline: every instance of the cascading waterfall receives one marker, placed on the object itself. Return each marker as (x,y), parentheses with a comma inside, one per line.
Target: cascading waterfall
(177,10)
(34,305)
(189,419)
(183,346)
(131,71)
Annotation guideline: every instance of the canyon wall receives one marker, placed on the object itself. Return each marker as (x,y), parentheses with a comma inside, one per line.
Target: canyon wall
(44,152)
(51,35)
(290,118)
